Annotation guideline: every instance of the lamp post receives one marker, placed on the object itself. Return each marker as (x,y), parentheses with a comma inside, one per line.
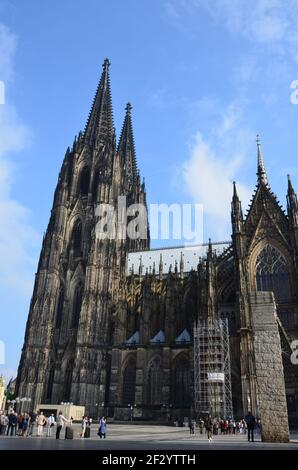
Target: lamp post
(13,404)
(130,407)
(17,401)
(23,401)
(167,411)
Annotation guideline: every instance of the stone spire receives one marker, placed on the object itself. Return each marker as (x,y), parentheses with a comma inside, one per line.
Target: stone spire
(160,267)
(126,149)
(99,127)
(261,173)
(292,203)
(291,196)
(210,267)
(236,212)
(181,265)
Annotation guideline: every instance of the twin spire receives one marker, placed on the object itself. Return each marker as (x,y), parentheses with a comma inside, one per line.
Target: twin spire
(126,148)
(100,128)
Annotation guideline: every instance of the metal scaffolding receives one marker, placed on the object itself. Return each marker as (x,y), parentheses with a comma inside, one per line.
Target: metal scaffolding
(212,369)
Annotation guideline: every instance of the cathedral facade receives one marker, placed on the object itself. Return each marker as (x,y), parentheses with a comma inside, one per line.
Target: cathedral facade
(110,324)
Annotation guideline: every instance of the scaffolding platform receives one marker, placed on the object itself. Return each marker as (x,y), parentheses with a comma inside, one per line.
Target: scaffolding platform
(212,369)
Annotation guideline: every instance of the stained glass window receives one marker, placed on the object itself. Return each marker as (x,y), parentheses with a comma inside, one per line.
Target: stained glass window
(77,238)
(181,391)
(59,312)
(76,306)
(68,382)
(129,383)
(155,382)
(84,181)
(272,273)
(50,385)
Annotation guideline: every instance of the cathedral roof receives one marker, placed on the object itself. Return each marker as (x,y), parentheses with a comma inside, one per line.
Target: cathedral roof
(170,256)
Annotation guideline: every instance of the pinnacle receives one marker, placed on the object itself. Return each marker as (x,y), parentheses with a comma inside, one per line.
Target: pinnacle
(128,108)
(261,172)
(106,64)
(100,119)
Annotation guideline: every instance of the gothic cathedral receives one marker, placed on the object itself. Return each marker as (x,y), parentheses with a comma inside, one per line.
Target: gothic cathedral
(110,324)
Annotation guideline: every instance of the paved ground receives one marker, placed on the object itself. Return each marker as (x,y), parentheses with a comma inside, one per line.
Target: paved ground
(144,437)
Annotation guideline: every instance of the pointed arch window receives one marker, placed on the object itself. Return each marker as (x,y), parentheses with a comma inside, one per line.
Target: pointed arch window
(59,311)
(68,382)
(76,238)
(129,383)
(84,180)
(95,185)
(50,384)
(77,305)
(155,382)
(272,273)
(181,383)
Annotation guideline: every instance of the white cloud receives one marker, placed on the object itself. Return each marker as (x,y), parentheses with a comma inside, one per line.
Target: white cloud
(213,165)
(8,44)
(17,237)
(271,23)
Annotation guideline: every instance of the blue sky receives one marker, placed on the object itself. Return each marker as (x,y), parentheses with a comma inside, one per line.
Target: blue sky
(204,77)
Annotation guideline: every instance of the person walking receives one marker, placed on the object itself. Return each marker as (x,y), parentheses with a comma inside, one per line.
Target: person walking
(209,426)
(41,421)
(191,426)
(50,425)
(102,428)
(60,423)
(88,427)
(33,417)
(201,426)
(250,423)
(84,426)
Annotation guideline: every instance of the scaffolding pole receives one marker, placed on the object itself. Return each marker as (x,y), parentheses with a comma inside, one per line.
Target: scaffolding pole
(212,369)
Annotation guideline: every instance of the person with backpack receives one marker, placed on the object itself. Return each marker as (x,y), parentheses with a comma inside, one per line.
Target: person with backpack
(250,423)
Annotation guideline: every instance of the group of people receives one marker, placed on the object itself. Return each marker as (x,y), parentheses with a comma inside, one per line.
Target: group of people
(23,424)
(86,427)
(216,426)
